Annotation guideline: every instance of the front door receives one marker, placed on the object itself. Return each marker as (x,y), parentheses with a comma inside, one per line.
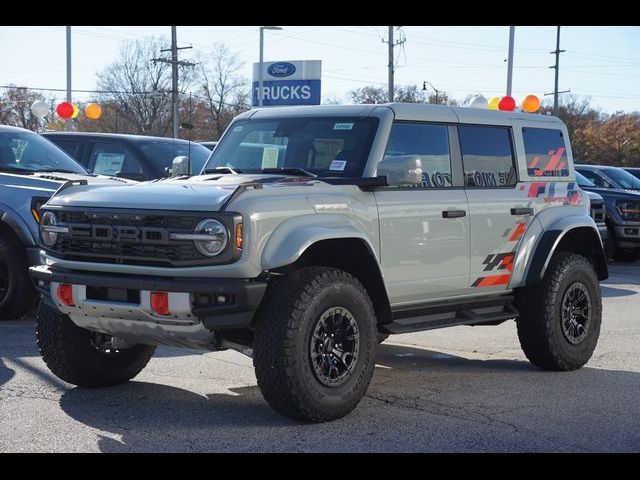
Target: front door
(424,231)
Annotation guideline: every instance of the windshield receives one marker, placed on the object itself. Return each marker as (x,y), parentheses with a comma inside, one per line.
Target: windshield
(162,153)
(324,146)
(623,178)
(29,152)
(583,181)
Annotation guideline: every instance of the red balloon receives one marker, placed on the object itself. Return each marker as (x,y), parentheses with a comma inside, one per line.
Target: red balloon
(65,110)
(507,104)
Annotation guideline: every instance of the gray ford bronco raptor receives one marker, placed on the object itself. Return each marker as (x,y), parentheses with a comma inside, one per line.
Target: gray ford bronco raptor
(311,234)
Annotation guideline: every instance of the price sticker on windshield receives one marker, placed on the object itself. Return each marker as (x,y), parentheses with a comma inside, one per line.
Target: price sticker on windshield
(270,157)
(343,126)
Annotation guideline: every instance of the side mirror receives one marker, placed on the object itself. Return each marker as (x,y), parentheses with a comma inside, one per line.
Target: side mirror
(180,166)
(138,177)
(401,170)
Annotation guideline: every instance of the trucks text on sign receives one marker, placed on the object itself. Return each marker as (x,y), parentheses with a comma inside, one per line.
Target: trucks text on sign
(288,83)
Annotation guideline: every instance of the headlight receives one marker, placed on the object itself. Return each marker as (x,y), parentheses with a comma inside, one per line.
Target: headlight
(629,210)
(49,228)
(210,237)
(213,237)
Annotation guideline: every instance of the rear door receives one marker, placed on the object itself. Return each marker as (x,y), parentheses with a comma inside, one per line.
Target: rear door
(498,210)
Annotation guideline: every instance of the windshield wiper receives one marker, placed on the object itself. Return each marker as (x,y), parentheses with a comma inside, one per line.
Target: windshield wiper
(233,171)
(59,170)
(290,171)
(7,168)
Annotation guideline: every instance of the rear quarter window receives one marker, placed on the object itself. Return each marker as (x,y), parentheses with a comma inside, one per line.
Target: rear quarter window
(546,152)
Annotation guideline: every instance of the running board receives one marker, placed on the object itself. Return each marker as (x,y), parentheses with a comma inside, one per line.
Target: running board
(491,311)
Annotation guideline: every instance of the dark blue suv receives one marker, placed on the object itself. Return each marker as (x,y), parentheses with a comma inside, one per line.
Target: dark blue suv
(31,170)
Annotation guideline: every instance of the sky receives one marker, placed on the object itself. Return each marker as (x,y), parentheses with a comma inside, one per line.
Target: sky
(600,62)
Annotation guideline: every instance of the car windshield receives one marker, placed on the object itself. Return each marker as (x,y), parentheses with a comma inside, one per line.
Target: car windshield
(583,181)
(323,146)
(25,152)
(623,178)
(162,153)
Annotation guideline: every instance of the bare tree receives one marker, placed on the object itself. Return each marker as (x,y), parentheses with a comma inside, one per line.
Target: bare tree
(405,94)
(141,88)
(15,108)
(224,92)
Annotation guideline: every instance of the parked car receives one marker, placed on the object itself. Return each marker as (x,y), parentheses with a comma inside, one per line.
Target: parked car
(609,177)
(598,209)
(31,170)
(622,217)
(347,222)
(209,145)
(635,171)
(137,157)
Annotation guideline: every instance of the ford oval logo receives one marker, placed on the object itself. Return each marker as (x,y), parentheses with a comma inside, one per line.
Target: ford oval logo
(281,69)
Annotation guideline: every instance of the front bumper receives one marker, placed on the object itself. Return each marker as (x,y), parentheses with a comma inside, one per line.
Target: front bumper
(628,236)
(33,256)
(120,305)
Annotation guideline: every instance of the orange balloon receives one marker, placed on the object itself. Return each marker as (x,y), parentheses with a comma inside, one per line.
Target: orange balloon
(531,104)
(93,111)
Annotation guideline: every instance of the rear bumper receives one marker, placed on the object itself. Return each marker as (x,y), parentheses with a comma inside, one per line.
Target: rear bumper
(121,305)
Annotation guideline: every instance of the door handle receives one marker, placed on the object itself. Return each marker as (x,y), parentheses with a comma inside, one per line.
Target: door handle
(454,213)
(522,211)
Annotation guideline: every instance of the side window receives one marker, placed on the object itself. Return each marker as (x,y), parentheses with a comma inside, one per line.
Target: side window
(595,178)
(110,159)
(70,147)
(546,152)
(431,143)
(487,156)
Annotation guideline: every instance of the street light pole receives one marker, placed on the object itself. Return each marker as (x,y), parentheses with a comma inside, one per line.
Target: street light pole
(69,122)
(260,64)
(424,88)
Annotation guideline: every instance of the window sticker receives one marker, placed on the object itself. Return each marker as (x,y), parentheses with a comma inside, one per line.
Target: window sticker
(239,128)
(270,157)
(343,126)
(108,163)
(338,165)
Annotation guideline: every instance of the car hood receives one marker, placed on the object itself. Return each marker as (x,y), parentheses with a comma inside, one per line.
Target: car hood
(201,193)
(614,193)
(47,183)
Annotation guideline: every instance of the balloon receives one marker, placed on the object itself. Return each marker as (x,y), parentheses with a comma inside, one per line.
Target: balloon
(39,109)
(93,111)
(65,110)
(76,111)
(478,102)
(507,104)
(531,104)
(493,103)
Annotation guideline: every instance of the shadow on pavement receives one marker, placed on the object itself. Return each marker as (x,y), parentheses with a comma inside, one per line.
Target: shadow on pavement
(609,291)
(415,395)
(6,373)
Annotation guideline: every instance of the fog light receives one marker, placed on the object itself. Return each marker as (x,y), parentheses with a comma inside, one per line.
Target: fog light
(160,303)
(65,294)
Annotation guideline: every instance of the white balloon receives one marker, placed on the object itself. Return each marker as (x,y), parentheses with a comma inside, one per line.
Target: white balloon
(39,109)
(479,102)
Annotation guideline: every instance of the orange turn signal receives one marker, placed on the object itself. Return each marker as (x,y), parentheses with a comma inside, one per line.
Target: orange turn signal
(239,236)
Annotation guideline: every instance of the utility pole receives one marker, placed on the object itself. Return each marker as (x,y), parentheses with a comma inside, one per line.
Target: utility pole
(557,53)
(392,44)
(512,33)
(174,77)
(69,122)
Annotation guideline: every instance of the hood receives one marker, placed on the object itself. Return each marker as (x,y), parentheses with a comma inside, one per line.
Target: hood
(593,196)
(47,183)
(201,193)
(614,193)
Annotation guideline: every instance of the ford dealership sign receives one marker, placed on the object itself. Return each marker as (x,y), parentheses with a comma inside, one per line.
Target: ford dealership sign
(288,83)
(281,69)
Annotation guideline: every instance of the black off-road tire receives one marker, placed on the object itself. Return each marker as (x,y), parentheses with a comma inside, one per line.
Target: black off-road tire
(290,311)
(17,293)
(540,322)
(70,354)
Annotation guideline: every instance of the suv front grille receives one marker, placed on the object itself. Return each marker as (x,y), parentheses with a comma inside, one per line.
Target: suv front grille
(597,211)
(131,238)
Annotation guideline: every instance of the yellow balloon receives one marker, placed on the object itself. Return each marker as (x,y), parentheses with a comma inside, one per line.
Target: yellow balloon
(493,103)
(93,111)
(76,111)
(531,104)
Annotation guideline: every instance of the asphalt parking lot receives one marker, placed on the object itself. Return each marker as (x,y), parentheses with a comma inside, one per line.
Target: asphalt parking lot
(457,389)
